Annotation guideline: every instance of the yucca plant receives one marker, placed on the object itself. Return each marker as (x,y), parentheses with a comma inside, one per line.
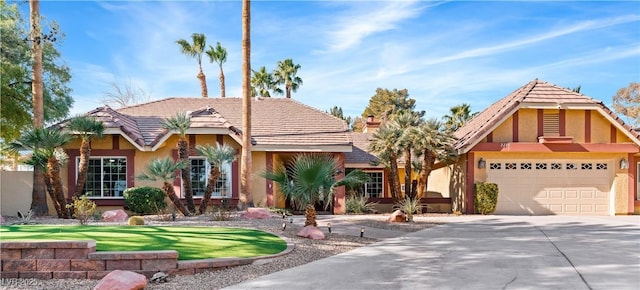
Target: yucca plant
(409,207)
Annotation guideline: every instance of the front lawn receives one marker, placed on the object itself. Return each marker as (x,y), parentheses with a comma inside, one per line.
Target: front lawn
(190,242)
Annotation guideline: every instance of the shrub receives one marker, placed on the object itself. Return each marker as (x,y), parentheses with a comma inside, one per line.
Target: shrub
(359,205)
(145,200)
(486,197)
(83,209)
(25,219)
(409,207)
(136,220)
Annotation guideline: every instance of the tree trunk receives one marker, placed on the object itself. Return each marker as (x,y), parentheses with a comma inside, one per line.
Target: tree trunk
(427,165)
(214,174)
(171,194)
(39,205)
(407,171)
(203,83)
(246,198)
(38,195)
(50,190)
(288,90)
(394,178)
(83,167)
(185,173)
(54,170)
(222,86)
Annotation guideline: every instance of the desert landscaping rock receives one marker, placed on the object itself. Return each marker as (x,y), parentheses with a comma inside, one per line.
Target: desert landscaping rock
(116,215)
(122,280)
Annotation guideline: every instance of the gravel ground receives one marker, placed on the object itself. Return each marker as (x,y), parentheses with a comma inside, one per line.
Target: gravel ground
(305,251)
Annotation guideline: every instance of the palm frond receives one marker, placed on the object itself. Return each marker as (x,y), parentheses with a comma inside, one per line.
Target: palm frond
(218,154)
(180,123)
(161,169)
(87,127)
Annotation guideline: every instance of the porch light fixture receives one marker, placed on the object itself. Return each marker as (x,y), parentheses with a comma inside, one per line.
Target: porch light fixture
(482,163)
(624,164)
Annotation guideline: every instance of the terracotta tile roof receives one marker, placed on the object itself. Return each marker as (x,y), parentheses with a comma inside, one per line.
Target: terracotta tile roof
(360,154)
(534,92)
(275,121)
(112,119)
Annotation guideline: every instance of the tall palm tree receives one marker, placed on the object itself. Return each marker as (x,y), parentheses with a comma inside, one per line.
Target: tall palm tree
(246,198)
(195,50)
(404,121)
(38,195)
(433,143)
(47,144)
(219,55)
(286,74)
(164,170)
(262,82)
(216,156)
(458,116)
(384,145)
(181,123)
(311,179)
(87,128)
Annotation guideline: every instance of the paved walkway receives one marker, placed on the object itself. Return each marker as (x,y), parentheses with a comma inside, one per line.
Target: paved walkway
(483,252)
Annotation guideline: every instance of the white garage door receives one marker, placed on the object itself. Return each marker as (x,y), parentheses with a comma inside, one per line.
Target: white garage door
(539,187)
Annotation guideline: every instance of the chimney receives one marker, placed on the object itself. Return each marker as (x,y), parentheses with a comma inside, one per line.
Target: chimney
(371,125)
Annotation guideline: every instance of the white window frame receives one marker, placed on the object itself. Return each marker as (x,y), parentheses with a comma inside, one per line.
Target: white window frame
(366,192)
(224,170)
(119,183)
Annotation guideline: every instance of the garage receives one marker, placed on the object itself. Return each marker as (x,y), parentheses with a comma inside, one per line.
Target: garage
(541,187)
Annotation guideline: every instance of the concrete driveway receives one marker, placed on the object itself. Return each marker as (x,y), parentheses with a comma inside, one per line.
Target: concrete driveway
(483,252)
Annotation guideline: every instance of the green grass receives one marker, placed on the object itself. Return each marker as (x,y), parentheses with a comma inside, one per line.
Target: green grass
(190,242)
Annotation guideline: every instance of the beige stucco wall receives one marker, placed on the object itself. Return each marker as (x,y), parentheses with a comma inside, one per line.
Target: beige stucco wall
(15,191)
(574,125)
(457,185)
(258,183)
(527,125)
(504,132)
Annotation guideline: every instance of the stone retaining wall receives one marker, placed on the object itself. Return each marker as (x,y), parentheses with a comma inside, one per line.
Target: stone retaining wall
(79,260)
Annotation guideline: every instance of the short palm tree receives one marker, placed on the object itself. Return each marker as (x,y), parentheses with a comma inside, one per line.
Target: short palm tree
(262,83)
(216,156)
(433,143)
(181,123)
(87,128)
(46,143)
(311,179)
(195,50)
(219,55)
(404,121)
(286,74)
(384,145)
(164,170)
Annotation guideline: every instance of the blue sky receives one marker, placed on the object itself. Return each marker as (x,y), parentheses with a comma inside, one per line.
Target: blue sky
(444,53)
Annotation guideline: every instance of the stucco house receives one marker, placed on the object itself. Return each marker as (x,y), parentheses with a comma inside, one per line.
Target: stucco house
(134,135)
(551,151)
